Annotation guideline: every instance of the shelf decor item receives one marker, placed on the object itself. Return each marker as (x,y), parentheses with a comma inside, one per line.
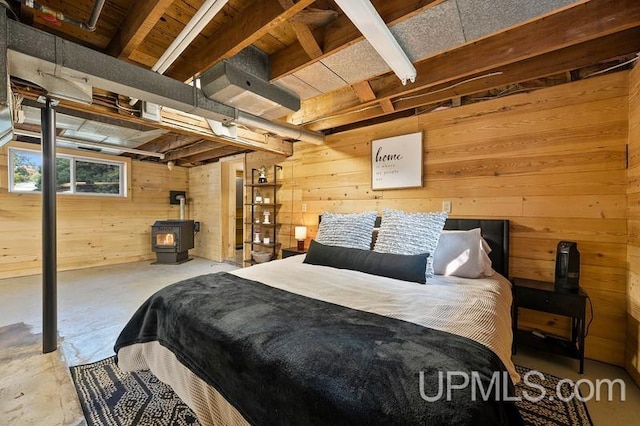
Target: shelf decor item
(262,174)
(261,256)
(266,220)
(258,197)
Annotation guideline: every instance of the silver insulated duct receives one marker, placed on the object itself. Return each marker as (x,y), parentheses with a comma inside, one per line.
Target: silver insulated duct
(242,82)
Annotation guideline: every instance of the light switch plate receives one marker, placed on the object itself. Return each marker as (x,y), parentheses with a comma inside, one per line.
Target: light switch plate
(446,206)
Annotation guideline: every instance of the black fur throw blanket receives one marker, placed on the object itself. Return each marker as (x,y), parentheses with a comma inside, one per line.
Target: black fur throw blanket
(286,359)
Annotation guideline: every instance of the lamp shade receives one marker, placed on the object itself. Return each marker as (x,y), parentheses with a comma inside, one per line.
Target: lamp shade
(300,233)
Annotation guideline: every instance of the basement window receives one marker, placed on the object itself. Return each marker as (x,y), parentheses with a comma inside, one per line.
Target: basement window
(74,174)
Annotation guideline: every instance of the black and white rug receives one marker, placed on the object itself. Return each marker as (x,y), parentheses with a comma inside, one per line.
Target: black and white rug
(557,406)
(110,396)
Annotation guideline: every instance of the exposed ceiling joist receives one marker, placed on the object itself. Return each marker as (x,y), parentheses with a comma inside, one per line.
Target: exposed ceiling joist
(303,33)
(258,18)
(196,148)
(210,155)
(168,142)
(342,33)
(563,60)
(363,91)
(589,21)
(141,19)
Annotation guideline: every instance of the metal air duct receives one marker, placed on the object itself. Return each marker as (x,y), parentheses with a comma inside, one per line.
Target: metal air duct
(243,82)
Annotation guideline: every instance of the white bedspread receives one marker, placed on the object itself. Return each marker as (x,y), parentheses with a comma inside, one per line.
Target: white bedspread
(479,309)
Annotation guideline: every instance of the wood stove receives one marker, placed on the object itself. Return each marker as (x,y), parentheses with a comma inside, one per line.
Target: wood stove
(171,240)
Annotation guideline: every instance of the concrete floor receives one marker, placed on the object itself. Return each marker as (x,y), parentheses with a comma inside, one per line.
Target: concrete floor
(94,304)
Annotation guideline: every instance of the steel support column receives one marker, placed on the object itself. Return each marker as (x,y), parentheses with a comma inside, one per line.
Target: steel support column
(49,250)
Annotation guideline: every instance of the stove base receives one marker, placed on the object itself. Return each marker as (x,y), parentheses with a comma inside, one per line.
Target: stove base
(171,258)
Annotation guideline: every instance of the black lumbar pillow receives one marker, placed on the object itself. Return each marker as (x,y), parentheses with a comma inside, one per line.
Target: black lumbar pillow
(399,266)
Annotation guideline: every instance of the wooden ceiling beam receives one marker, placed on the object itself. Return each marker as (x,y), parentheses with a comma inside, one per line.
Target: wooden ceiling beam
(363,91)
(210,155)
(303,33)
(307,40)
(387,106)
(194,149)
(342,33)
(563,60)
(254,22)
(141,19)
(589,21)
(168,142)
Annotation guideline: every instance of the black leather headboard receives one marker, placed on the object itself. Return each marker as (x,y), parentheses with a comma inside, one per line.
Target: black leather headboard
(495,232)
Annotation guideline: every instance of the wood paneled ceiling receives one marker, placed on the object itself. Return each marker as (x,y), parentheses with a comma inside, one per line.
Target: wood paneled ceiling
(501,46)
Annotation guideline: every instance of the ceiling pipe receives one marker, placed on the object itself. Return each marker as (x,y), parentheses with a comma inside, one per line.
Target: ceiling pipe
(90,25)
(281,129)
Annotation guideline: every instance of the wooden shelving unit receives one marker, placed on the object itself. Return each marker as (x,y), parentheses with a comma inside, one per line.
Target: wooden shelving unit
(256,214)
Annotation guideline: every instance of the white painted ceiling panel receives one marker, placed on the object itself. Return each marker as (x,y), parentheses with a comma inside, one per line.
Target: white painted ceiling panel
(483,17)
(437,29)
(347,63)
(293,83)
(320,77)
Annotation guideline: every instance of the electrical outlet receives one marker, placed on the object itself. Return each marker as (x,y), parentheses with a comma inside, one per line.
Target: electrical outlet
(304,207)
(446,206)
(196,226)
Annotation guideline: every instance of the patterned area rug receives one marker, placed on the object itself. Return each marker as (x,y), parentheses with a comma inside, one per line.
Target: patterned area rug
(551,409)
(111,397)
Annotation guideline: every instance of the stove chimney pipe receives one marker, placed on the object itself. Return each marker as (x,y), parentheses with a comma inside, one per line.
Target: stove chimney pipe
(182,202)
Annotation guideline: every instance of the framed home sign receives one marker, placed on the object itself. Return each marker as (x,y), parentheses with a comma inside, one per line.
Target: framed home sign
(396,162)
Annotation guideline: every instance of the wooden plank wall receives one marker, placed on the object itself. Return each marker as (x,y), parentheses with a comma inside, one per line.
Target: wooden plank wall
(92,230)
(633,214)
(204,195)
(552,161)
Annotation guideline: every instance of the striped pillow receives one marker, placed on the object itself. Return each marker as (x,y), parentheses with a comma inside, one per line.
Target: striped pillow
(347,230)
(410,233)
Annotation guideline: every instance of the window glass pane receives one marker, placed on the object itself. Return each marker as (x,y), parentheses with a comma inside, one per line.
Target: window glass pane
(27,167)
(63,175)
(97,178)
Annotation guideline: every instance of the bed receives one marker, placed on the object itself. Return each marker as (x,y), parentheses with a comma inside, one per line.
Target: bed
(263,346)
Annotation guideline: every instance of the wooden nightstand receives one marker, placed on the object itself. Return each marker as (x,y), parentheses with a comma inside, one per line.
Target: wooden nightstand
(541,296)
(292,251)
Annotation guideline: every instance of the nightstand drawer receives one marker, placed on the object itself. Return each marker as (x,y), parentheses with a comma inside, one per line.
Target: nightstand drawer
(552,302)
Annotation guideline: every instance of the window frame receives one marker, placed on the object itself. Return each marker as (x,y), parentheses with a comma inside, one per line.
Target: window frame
(123,174)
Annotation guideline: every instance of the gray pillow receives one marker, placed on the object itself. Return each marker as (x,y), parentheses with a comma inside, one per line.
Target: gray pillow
(410,233)
(347,230)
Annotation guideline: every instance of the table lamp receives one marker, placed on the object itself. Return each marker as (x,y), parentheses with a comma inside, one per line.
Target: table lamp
(301,236)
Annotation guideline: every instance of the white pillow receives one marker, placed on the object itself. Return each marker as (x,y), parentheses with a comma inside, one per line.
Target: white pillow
(347,230)
(462,254)
(410,233)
